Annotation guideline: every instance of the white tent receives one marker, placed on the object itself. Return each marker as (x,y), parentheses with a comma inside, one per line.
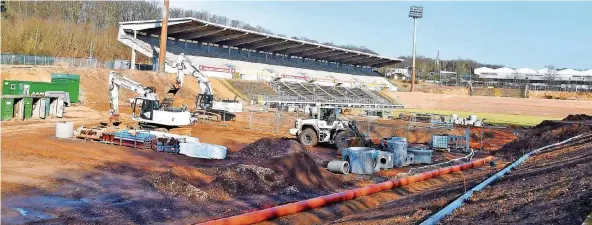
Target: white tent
(505,72)
(526,71)
(484,72)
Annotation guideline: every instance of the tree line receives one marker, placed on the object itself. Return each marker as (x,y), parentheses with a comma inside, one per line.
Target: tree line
(75,28)
(425,65)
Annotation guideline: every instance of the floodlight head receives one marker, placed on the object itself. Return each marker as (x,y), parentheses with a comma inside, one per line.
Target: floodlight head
(416,12)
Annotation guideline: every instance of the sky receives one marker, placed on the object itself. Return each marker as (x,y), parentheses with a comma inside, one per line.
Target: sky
(514,34)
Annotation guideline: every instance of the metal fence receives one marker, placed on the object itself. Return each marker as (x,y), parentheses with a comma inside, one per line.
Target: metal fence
(18,59)
(280,120)
(583,85)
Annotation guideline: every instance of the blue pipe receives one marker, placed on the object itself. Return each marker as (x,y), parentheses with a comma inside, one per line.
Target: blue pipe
(460,200)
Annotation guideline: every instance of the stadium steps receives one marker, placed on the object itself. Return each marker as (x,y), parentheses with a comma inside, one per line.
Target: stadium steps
(324,91)
(385,96)
(287,90)
(231,88)
(253,89)
(339,93)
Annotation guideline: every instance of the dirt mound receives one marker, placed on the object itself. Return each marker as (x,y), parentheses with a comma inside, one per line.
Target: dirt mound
(266,148)
(547,132)
(577,117)
(289,174)
(276,166)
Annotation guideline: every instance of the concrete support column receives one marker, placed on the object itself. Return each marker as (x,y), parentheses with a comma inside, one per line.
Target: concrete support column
(133,61)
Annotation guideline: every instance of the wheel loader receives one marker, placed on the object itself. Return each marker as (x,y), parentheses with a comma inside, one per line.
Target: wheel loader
(326,126)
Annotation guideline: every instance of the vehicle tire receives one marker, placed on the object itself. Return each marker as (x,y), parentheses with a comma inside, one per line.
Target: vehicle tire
(308,137)
(341,140)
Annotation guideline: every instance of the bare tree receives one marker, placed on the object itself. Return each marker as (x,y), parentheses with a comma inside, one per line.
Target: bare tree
(551,73)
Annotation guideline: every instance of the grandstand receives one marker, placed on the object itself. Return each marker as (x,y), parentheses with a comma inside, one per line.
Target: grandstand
(286,70)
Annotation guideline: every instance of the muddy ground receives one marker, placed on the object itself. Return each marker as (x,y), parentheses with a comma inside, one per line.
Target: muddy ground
(49,180)
(549,188)
(56,181)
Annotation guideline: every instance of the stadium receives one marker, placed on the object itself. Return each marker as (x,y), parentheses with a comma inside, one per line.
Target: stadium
(204,119)
(288,71)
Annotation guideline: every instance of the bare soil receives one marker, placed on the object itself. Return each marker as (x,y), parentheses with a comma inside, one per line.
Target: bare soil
(72,181)
(547,132)
(500,105)
(550,188)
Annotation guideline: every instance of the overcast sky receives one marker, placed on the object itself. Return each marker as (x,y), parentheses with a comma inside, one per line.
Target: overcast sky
(515,34)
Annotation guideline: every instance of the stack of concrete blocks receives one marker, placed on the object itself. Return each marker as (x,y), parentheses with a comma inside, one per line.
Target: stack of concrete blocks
(362,160)
(398,146)
(422,155)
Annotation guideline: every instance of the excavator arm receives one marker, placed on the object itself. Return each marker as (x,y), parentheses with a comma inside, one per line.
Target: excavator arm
(185,66)
(117,81)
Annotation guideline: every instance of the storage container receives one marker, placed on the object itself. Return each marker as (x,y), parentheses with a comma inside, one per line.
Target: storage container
(439,142)
(70,83)
(7,108)
(28,107)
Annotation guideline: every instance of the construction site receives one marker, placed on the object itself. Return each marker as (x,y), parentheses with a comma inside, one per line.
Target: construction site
(238,127)
(267,175)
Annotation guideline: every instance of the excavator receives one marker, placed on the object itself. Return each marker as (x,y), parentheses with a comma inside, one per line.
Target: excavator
(147,109)
(206,106)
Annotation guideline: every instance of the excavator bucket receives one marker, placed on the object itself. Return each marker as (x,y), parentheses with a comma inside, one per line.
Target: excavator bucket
(174,89)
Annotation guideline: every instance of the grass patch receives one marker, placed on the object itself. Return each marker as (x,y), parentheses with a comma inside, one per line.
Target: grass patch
(497,119)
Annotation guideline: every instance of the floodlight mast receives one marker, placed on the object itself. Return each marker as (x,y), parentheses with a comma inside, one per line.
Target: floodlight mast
(415,12)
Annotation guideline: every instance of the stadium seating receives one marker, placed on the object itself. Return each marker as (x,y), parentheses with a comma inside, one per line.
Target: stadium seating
(284,79)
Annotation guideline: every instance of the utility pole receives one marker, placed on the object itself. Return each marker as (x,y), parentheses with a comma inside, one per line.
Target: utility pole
(163,36)
(90,50)
(415,12)
(438,65)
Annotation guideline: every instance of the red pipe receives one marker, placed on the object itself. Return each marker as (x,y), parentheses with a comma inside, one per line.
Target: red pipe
(291,208)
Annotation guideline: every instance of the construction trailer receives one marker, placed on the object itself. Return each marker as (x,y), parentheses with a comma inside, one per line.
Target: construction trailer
(20,107)
(69,83)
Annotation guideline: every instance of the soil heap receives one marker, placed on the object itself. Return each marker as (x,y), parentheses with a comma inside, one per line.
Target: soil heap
(547,132)
(266,148)
(275,166)
(578,117)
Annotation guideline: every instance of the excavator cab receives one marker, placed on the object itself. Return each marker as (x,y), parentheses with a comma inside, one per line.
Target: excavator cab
(145,108)
(204,101)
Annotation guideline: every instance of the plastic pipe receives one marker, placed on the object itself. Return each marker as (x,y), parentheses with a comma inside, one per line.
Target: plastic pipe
(460,200)
(291,208)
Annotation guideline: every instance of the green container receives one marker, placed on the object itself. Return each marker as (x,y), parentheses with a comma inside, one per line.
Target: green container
(6,108)
(12,87)
(28,108)
(71,84)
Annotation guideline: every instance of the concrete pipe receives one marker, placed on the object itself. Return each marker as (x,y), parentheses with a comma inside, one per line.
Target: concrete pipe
(338,166)
(296,207)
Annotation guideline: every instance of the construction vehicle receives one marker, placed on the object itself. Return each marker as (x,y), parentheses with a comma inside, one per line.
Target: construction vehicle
(206,105)
(326,126)
(146,108)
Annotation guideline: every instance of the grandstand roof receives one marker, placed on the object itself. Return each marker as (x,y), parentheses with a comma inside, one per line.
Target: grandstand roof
(203,31)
